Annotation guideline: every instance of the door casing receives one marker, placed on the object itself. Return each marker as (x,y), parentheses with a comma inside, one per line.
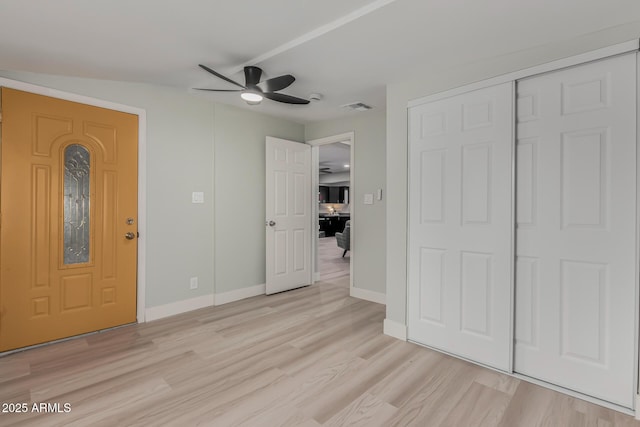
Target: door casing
(142,169)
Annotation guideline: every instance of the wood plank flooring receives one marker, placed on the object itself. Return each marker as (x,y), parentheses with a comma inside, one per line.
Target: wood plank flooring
(309,357)
(331,264)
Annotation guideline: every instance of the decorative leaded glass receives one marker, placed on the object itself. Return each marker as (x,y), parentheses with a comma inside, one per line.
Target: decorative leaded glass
(76,204)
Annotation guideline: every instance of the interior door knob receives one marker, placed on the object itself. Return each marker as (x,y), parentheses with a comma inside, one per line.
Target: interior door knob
(130,235)
(271,223)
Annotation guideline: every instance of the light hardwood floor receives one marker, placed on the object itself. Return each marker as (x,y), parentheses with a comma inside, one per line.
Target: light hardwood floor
(309,357)
(333,267)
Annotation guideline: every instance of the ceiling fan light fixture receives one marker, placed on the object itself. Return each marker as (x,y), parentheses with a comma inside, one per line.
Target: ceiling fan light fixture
(252,98)
(254,91)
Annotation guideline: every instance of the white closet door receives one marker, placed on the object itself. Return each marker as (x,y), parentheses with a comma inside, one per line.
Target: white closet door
(576,228)
(461,225)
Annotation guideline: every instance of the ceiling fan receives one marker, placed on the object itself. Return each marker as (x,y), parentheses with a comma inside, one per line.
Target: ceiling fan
(253,91)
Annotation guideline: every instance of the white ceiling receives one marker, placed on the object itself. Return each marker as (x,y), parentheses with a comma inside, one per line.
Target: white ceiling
(334,156)
(346,50)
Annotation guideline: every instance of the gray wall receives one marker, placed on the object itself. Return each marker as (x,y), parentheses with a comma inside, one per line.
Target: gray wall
(368,226)
(240,193)
(427,81)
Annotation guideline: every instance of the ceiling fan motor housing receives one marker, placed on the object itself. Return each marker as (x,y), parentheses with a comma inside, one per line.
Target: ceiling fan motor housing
(252,75)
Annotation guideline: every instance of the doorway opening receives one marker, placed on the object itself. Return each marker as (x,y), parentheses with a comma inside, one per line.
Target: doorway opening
(332,181)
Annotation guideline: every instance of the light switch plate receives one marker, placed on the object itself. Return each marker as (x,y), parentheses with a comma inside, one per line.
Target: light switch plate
(197,197)
(368,199)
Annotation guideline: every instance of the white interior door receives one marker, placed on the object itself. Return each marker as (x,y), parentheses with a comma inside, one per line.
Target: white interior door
(576,228)
(461,225)
(288,220)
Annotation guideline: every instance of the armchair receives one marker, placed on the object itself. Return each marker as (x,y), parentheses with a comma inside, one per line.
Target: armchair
(344,239)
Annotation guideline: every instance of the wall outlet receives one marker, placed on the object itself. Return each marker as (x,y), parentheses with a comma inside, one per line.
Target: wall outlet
(193,283)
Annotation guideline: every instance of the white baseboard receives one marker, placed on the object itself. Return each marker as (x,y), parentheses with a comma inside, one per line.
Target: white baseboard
(171,309)
(395,329)
(238,294)
(637,414)
(368,295)
(316,277)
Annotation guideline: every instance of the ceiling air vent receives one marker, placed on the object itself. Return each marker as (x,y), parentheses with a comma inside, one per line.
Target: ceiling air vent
(357,106)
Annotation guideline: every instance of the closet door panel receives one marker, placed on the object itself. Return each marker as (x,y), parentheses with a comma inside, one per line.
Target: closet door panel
(461,225)
(576,228)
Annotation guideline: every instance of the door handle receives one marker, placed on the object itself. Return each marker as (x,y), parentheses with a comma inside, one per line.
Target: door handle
(130,235)
(270,223)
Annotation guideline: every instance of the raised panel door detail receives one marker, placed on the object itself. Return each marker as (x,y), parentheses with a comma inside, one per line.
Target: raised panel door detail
(587,95)
(527,182)
(41,226)
(76,292)
(476,184)
(40,307)
(105,137)
(281,155)
(48,128)
(475,286)
(527,314)
(281,252)
(432,175)
(477,115)
(109,229)
(584,179)
(431,284)
(280,193)
(584,289)
(108,296)
(299,249)
(300,158)
(300,201)
(433,124)
(528,107)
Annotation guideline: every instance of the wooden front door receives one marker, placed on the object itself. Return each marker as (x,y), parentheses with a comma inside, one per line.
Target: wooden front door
(68,232)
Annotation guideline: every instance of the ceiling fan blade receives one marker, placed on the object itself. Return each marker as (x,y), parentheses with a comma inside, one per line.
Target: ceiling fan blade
(204,67)
(252,75)
(218,90)
(287,99)
(276,83)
